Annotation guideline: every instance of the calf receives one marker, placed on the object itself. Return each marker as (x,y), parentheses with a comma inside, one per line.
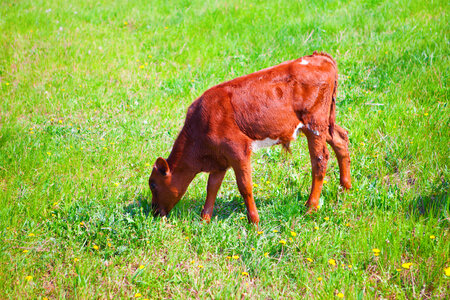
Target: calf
(232,120)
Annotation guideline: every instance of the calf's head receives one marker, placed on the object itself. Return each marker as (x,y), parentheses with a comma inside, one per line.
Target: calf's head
(164,194)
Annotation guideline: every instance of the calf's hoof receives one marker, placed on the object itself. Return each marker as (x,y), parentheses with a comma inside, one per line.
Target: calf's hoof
(346,184)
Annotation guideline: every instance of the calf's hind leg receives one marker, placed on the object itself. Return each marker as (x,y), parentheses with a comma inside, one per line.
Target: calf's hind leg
(319,155)
(339,143)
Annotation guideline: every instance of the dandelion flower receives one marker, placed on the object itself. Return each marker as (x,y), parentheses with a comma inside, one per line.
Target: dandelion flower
(242,218)
(447,271)
(95,247)
(350,266)
(309,259)
(326,218)
(141,267)
(244,274)
(319,278)
(200,266)
(376,251)
(253,249)
(398,270)
(29,277)
(283,242)
(332,262)
(125,23)
(432,237)
(228,257)
(290,239)
(25,251)
(76,259)
(266,254)
(81,223)
(192,261)
(340,295)
(141,66)
(316,228)
(255,185)
(293,234)
(235,256)
(137,295)
(31,234)
(324,182)
(406,265)
(275,231)
(116,183)
(260,232)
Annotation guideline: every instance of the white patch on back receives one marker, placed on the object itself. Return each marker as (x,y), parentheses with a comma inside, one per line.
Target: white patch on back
(296,130)
(258,144)
(304,62)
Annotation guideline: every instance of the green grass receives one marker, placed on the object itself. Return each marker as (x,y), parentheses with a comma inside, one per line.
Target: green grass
(93,92)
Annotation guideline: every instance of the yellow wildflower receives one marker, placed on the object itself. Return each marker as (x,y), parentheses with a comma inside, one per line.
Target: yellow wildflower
(432,237)
(319,278)
(326,218)
(95,247)
(141,267)
(348,224)
(81,223)
(137,295)
(398,270)
(332,262)
(76,259)
(350,266)
(242,218)
(244,274)
(340,295)
(376,251)
(29,277)
(125,23)
(324,181)
(293,233)
(290,239)
(141,66)
(275,231)
(260,232)
(228,257)
(235,256)
(309,259)
(316,228)
(116,183)
(31,234)
(192,261)
(255,185)
(283,242)
(200,266)
(447,271)
(266,254)
(406,265)
(253,249)
(25,251)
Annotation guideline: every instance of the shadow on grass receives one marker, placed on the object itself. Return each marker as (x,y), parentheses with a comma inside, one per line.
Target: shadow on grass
(433,205)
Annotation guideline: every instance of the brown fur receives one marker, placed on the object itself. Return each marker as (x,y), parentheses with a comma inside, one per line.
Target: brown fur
(221,125)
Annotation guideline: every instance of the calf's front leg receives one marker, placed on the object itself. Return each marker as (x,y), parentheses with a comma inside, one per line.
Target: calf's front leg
(214,182)
(243,173)
(319,155)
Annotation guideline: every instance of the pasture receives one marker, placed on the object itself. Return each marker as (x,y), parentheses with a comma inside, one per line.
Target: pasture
(92,92)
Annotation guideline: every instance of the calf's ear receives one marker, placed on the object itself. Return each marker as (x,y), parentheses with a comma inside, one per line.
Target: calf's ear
(162,166)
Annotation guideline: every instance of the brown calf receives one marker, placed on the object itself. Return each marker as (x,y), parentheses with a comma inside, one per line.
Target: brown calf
(233,119)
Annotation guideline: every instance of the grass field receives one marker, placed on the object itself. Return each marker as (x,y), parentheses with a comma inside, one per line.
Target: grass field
(93,92)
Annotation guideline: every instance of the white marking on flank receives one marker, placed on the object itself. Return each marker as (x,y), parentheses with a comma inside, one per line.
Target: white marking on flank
(258,144)
(304,62)
(312,130)
(297,129)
